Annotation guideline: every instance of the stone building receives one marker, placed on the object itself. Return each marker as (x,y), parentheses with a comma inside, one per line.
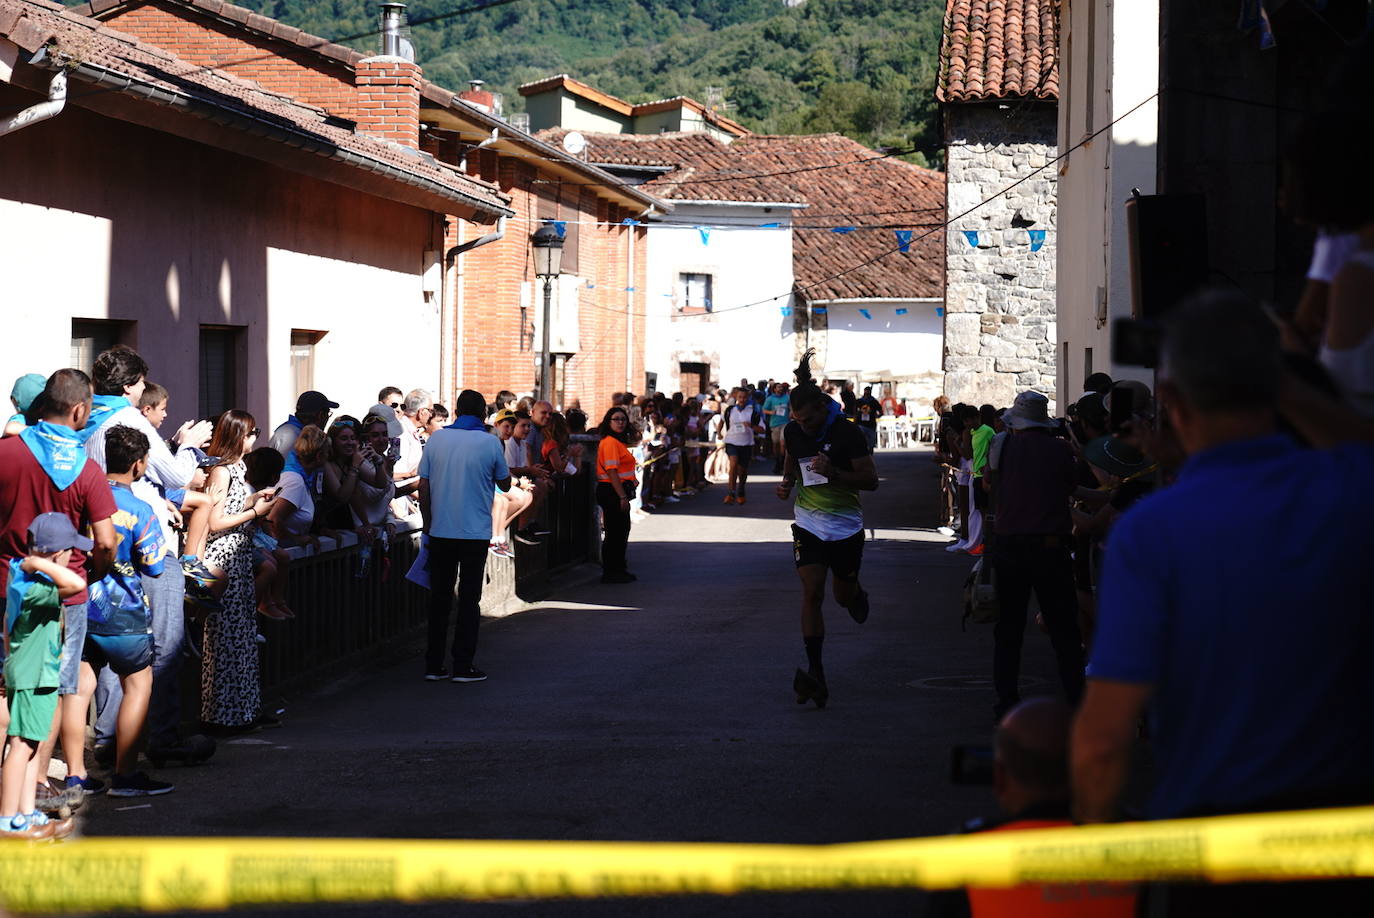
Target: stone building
(999,85)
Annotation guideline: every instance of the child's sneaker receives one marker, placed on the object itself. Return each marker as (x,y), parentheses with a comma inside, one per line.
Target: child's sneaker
(138,784)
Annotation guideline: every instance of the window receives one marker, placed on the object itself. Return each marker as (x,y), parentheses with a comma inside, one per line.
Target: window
(693,293)
(90,337)
(303,358)
(220,372)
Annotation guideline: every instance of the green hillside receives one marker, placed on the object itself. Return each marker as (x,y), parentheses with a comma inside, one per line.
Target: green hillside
(865,68)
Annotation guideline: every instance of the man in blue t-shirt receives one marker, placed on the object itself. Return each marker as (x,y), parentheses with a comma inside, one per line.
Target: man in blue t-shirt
(1225,609)
(119,618)
(776,408)
(459,469)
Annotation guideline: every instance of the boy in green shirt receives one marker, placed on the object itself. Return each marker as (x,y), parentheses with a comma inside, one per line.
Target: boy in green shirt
(33,646)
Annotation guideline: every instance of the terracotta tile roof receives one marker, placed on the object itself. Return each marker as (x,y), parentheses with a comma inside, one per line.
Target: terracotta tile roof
(843,184)
(97,53)
(998,49)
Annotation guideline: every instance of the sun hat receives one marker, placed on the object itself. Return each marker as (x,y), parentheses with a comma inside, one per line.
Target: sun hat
(26,389)
(1115,457)
(1031,409)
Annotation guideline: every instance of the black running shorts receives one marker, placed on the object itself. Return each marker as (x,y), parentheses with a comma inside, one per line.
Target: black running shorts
(843,557)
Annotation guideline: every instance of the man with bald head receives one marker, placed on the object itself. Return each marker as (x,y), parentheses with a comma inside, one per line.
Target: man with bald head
(1031,780)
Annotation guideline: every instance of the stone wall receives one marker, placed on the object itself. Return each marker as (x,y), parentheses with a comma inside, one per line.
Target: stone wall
(1000,279)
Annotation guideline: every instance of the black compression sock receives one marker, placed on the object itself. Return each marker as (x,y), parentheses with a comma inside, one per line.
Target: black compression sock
(813,655)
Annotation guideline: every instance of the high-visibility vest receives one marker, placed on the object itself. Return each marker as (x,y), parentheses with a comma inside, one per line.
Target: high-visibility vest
(1052,900)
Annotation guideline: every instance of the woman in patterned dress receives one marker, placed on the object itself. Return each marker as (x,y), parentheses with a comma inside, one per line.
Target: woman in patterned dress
(230,690)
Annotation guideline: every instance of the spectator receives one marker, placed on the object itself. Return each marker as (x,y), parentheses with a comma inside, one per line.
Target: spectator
(775,408)
(521,464)
(1031,780)
(372,498)
(388,408)
(119,628)
(37,586)
(615,488)
(1100,383)
(344,470)
(415,410)
(540,412)
(577,421)
(504,399)
(847,399)
(293,513)
(1032,487)
(959,442)
(312,409)
(554,452)
(458,471)
(44,469)
(26,389)
(262,470)
(230,690)
(1258,684)
(867,410)
(438,417)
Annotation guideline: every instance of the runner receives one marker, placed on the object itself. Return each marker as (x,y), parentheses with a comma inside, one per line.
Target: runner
(743,420)
(831,458)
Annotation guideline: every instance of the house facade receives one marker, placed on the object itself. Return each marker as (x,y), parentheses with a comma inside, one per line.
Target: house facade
(563,102)
(248,245)
(999,82)
(488,302)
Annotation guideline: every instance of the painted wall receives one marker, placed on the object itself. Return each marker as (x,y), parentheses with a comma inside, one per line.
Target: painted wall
(748,265)
(172,235)
(578,114)
(1110,55)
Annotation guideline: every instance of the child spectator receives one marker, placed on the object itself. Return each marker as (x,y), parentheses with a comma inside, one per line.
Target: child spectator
(33,635)
(119,624)
(271,563)
(191,508)
(26,389)
(438,417)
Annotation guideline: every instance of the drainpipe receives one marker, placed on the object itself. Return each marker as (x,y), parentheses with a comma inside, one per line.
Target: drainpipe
(459,310)
(42,111)
(630,305)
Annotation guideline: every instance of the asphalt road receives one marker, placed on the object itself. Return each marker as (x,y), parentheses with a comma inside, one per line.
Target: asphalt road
(660,710)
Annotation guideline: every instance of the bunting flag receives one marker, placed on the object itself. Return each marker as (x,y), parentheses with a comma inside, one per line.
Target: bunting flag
(939,310)
(901,312)
(629,221)
(903,240)
(972,237)
(705,234)
(842,229)
(770,226)
(1037,239)
(786,310)
(819,310)
(561,226)
(865,313)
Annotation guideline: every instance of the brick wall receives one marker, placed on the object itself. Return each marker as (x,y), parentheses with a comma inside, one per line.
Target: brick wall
(389,99)
(201,40)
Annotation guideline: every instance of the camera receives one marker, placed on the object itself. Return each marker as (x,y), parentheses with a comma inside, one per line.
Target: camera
(1135,342)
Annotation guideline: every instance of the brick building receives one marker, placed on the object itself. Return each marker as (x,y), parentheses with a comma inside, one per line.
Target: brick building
(488,301)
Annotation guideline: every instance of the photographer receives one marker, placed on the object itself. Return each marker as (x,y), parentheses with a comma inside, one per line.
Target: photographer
(1030,777)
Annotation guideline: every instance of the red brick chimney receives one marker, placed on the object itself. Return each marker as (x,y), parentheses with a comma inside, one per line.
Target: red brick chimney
(479,97)
(389,99)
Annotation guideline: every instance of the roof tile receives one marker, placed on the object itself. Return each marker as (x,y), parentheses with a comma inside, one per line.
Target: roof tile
(998,49)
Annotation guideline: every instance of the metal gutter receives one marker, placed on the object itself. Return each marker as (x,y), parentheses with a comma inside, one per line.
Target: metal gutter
(41,111)
(260,127)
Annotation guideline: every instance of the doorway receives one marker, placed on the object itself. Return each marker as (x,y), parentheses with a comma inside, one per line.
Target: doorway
(693,377)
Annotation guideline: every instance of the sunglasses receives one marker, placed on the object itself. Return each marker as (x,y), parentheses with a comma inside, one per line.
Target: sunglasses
(344,424)
(393,404)
(254,432)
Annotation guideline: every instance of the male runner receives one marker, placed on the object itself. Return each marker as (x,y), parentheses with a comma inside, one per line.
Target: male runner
(830,457)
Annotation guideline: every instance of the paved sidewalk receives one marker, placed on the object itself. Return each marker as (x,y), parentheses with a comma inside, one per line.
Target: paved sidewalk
(660,710)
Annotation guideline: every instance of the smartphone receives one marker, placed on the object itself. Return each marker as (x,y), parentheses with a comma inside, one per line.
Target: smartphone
(209,462)
(276,491)
(1123,407)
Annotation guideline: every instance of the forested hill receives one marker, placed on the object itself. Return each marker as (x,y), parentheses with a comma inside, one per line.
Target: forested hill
(865,68)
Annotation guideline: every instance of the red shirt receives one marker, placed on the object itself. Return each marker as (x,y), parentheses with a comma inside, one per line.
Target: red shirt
(26,491)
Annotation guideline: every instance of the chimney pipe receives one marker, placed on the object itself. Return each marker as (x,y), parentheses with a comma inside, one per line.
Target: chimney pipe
(393,20)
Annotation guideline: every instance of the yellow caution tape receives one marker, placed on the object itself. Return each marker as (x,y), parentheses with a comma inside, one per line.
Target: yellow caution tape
(163,874)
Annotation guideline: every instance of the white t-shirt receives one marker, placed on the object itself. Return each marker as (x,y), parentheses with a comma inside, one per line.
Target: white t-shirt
(517,457)
(297,492)
(412,448)
(741,429)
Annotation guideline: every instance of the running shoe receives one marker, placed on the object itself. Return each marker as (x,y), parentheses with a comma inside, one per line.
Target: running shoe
(501,550)
(439,676)
(809,688)
(139,784)
(470,674)
(526,537)
(197,573)
(976,550)
(729,498)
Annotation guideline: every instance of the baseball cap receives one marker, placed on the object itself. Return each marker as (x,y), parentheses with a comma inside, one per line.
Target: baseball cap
(312,401)
(54,532)
(26,389)
(505,414)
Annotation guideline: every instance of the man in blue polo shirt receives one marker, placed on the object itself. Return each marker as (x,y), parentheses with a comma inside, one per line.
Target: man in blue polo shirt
(1227,607)
(459,468)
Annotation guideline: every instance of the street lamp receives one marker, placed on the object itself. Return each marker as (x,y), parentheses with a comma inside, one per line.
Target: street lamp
(548,262)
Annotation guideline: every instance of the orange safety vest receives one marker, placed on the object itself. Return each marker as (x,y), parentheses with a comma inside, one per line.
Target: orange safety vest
(1052,900)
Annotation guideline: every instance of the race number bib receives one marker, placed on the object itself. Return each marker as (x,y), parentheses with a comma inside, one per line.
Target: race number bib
(811,478)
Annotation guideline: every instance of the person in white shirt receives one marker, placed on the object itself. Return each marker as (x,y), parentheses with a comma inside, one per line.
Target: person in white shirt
(416,409)
(743,420)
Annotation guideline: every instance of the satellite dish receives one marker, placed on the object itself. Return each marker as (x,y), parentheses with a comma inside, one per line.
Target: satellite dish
(574,143)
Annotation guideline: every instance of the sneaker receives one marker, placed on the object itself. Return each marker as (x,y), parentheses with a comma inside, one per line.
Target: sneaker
(957,546)
(197,573)
(858,609)
(438,676)
(976,550)
(138,784)
(671,499)
(501,550)
(729,498)
(526,537)
(469,674)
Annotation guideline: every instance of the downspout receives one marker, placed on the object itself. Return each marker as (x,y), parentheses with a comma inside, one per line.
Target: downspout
(42,111)
(630,304)
(459,310)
